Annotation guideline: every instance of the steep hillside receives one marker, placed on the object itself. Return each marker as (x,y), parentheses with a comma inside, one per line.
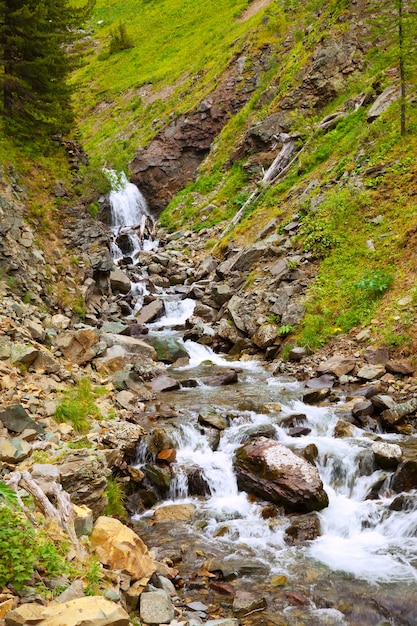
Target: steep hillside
(197,106)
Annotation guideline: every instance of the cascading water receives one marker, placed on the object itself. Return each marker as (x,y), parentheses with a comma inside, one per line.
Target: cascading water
(362,541)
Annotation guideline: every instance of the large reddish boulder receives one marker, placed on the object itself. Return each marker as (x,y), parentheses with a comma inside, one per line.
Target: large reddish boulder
(273,472)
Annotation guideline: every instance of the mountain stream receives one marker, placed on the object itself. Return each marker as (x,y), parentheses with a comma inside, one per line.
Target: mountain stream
(360,570)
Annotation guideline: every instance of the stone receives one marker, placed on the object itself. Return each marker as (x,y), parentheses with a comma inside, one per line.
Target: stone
(343,430)
(312,396)
(24,354)
(229,331)
(78,346)
(126,399)
(60,322)
(210,417)
(120,548)
(16,419)
(273,472)
(302,529)
(6,606)
(371,372)
(159,476)
(167,349)
(164,383)
(405,477)
(399,411)
(131,345)
(149,312)
(376,355)
(362,409)
(45,363)
(322,382)
(297,354)
(245,602)
(36,330)
(119,281)
(221,293)
(14,450)
(156,607)
(115,328)
(387,455)
(279,269)
(363,335)
(121,435)
(399,367)
(83,520)
(84,475)
(45,474)
(337,365)
(265,336)
(88,611)
(174,513)
(293,314)
(383,101)
(382,402)
(227,377)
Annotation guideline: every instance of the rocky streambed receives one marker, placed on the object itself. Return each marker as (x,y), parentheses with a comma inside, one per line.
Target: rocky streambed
(259,490)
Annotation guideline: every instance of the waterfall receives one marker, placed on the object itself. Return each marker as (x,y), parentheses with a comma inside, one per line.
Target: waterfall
(130,218)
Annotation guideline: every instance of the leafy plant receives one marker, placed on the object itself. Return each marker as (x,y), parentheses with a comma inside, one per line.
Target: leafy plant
(16,548)
(285,330)
(318,236)
(7,495)
(78,405)
(116,497)
(93,576)
(374,284)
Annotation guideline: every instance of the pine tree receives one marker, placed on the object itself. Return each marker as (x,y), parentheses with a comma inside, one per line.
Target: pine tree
(34,41)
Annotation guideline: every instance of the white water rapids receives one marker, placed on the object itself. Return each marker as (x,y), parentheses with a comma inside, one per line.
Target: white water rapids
(363,538)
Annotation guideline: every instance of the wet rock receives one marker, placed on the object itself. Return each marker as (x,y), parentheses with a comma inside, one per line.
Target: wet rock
(158,476)
(164,383)
(150,312)
(387,455)
(371,372)
(119,281)
(229,331)
(227,377)
(146,369)
(119,548)
(210,417)
(305,528)
(299,431)
(206,313)
(273,472)
(88,611)
(322,382)
(16,419)
(167,349)
(337,365)
(398,412)
(174,513)
(343,429)
(246,602)
(312,396)
(362,409)
(405,477)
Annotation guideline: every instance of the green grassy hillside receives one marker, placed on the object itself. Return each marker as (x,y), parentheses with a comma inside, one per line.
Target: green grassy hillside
(352,185)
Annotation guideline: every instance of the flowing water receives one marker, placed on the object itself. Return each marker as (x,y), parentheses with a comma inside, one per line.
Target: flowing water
(362,568)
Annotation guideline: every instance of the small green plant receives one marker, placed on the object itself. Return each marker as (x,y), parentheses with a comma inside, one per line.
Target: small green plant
(18,556)
(285,330)
(27,297)
(78,306)
(116,497)
(317,236)
(120,39)
(93,209)
(285,352)
(7,495)
(374,284)
(93,576)
(78,405)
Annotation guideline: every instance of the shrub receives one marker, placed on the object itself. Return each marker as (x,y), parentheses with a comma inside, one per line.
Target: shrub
(120,39)
(78,405)
(374,284)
